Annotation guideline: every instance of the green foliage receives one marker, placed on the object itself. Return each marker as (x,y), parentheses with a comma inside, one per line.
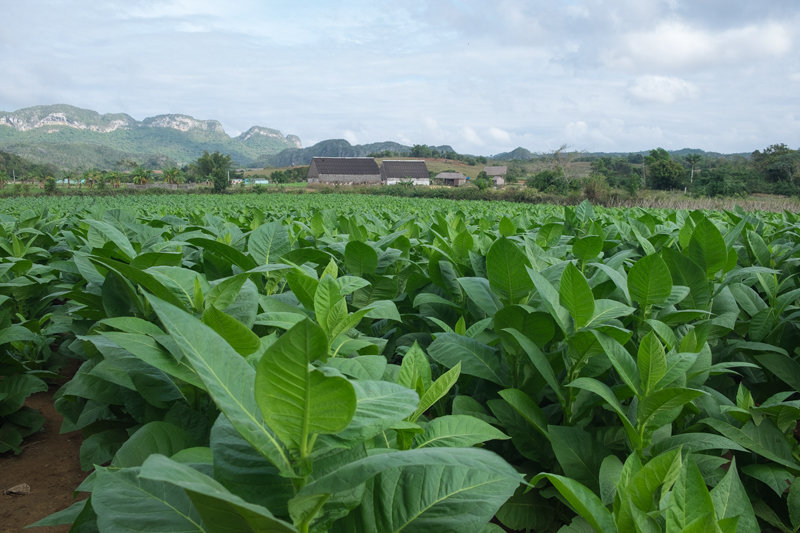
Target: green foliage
(50,185)
(294,366)
(549,181)
(666,175)
(483,184)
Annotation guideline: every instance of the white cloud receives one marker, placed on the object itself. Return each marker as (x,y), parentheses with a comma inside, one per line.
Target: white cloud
(350,137)
(662,90)
(576,130)
(677,45)
(471,136)
(498,135)
(418,71)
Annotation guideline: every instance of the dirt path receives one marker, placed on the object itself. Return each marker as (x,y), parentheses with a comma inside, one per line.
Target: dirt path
(49,463)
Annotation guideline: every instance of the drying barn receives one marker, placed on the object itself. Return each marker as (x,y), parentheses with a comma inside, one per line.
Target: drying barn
(451,179)
(396,171)
(497,174)
(344,171)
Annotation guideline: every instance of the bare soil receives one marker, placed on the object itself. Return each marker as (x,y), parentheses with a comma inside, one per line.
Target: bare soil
(49,463)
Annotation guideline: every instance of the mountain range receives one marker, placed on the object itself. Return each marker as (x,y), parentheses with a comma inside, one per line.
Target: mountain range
(73,138)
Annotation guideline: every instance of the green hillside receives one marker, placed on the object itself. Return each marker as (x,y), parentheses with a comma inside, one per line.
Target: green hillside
(333,148)
(74,138)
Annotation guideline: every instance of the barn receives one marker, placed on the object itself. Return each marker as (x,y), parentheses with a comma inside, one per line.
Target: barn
(452,179)
(396,171)
(497,174)
(344,171)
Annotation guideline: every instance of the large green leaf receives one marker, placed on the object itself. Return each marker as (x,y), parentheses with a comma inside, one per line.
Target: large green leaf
(329,305)
(245,472)
(221,510)
(743,438)
(457,431)
(148,350)
(268,243)
(539,360)
(477,359)
(146,280)
(550,298)
(575,453)
(690,499)
(379,406)
(360,367)
(621,360)
(296,400)
(774,476)
(231,254)
(441,490)
(707,247)
(360,258)
(127,503)
(153,437)
(524,511)
(576,296)
(602,390)
(415,367)
(527,409)
(15,389)
(660,404)
(239,336)
(505,267)
(649,281)
(114,235)
(437,391)
(227,377)
(583,500)
(652,362)
(785,368)
(479,291)
(587,248)
(731,500)
(687,273)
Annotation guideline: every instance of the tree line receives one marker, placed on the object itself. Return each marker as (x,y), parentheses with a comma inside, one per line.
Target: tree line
(774,170)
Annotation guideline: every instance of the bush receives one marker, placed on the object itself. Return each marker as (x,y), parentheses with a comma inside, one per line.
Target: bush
(50,186)
(550,181)
(219,177)
(596,188)
(482,184)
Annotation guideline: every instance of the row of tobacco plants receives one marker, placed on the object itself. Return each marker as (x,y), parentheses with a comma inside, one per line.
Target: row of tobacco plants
(351,363)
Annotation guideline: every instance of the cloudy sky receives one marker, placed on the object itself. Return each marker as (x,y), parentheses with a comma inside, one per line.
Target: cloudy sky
(483,76)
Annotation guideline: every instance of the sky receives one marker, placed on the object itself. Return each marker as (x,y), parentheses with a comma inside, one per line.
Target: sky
(482,76)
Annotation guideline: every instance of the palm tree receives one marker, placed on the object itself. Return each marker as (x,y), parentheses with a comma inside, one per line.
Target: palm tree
(174,176)
(115,178)
(3,179)
(693,159)
(84,177)
(141,176)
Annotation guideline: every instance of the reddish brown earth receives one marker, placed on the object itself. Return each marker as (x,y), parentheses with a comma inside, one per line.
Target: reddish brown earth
(49,463)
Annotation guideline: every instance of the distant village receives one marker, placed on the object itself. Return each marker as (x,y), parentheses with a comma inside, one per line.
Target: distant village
(365,171)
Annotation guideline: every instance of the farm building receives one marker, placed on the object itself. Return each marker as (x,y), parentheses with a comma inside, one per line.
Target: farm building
(497,174)
(344,170)
(452,179)
(394,171)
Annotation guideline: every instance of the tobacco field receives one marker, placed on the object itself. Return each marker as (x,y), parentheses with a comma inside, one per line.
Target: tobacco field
(297,363)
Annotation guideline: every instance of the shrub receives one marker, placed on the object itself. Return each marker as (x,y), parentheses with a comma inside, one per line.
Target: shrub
(482,184)
(50,185)
(596,188)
